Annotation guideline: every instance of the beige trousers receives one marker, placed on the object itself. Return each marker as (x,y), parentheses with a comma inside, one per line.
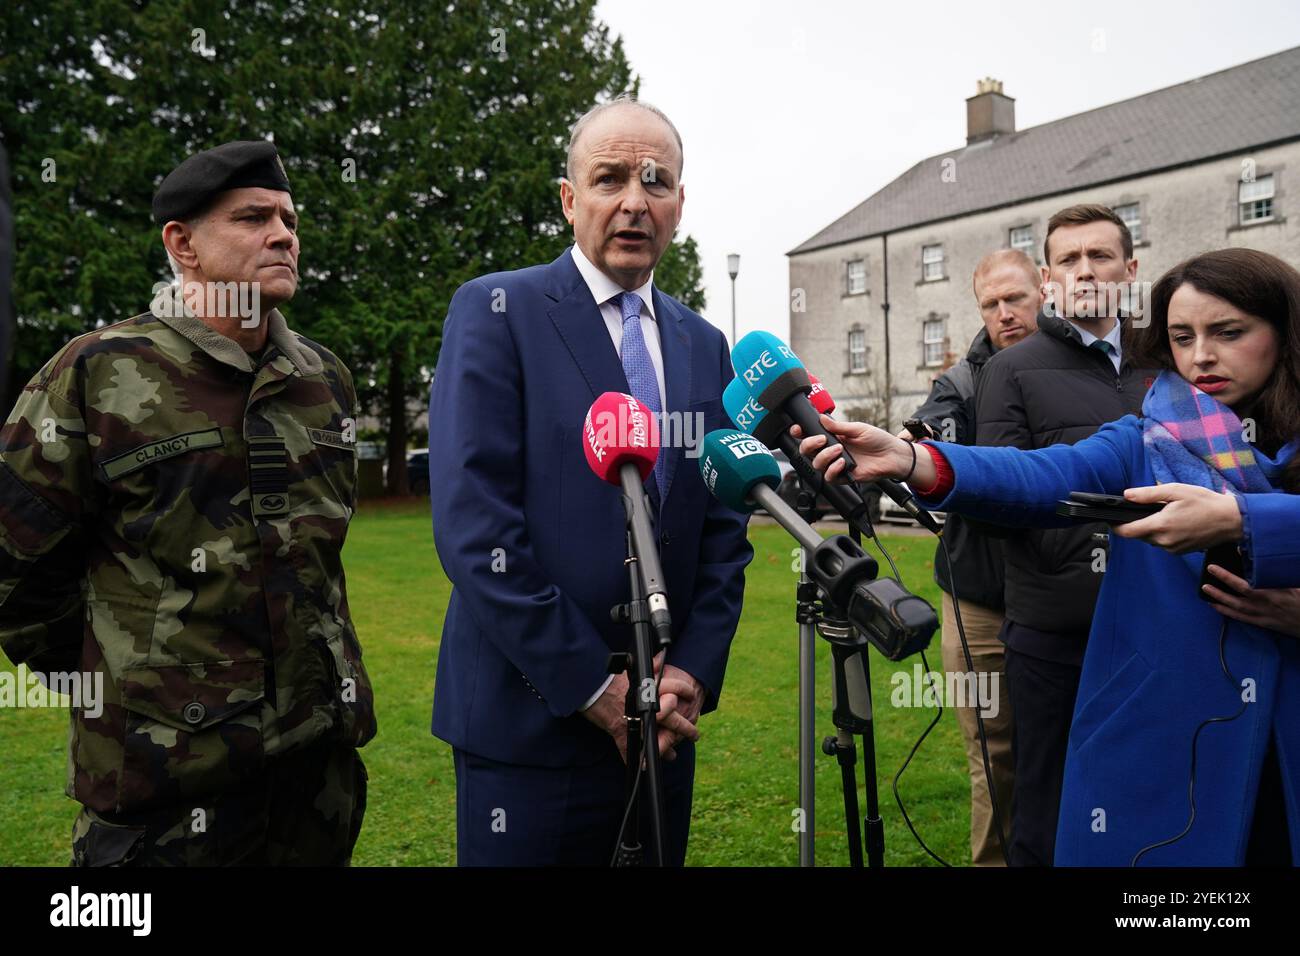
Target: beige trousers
(987,653)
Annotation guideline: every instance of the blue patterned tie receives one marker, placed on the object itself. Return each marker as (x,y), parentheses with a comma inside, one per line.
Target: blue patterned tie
(640,371)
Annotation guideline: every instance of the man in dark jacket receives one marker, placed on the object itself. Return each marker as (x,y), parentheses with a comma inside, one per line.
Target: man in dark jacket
(1059,386)
(1009,295)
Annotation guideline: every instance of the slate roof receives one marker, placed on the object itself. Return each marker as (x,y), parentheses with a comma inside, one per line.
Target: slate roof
(1237,109)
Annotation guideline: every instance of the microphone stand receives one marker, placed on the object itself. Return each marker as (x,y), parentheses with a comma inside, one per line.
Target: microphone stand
(851,714)
(859,715)
(642,704)
(806,615)
(851,711)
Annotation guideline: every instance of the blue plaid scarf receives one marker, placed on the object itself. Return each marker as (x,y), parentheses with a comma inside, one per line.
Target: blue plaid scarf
(1195,439)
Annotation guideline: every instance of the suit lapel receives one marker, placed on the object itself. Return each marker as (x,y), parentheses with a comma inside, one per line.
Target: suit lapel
(582,328)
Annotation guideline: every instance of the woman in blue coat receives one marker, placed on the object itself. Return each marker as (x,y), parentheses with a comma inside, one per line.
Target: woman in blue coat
(1185,744)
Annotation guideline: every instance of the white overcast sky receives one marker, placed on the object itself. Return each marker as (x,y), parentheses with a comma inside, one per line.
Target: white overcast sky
(794,112)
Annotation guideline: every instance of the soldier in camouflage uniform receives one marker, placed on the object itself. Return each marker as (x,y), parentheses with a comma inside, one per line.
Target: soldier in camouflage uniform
(173,505)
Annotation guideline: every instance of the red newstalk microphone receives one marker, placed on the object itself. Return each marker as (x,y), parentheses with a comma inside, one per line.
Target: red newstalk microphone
(621,442)
(620,430)
(820,398)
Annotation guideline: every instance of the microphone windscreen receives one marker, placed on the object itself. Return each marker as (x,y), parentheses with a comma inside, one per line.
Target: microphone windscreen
(741,407)
(619,429)
(820,397)
(732,463)
(769,369)
(749,416)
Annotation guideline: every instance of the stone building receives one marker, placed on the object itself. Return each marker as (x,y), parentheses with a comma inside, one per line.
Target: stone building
(881,299)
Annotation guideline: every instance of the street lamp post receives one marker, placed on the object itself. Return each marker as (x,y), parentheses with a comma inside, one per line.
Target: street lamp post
(733,267)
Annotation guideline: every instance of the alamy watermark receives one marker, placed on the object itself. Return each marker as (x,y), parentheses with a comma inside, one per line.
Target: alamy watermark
(1094,300)
(27,688)
(133,911)
(222,300)
(948,689)
(676,429)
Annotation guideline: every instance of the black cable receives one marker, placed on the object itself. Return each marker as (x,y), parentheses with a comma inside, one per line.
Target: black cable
(898,799)
(916,746)
(636,782)
(1191,780)
(984,747)
(979,720)
(887,556)
(627,810)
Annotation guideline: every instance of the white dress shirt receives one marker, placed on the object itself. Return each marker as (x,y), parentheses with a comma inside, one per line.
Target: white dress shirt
(604,290)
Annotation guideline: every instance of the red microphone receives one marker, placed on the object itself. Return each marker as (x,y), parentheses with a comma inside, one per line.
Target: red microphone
(621,442)
(820,398)
(619,430)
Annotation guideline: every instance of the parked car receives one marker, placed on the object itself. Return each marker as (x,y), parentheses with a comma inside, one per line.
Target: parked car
(417,471)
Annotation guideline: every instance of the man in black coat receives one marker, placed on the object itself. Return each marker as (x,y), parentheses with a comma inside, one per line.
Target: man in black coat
(1008,294)
(1058,386)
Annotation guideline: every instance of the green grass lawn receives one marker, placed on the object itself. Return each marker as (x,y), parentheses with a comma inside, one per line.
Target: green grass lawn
(747,775)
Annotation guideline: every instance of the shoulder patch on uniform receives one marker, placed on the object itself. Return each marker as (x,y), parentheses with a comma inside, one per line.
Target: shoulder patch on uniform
(137,458)
(334,439)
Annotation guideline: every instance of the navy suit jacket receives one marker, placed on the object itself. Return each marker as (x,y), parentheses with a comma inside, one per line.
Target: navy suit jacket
(534,542)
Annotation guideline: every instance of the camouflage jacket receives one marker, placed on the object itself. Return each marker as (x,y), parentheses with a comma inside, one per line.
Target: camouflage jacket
(173,516)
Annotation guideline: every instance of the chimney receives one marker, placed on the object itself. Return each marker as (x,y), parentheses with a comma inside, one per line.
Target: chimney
(989,112)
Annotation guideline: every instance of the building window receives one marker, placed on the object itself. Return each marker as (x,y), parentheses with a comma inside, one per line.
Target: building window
(1255,200)
(857,351)
(856,275)
(1022,238)
(932,337)
(932,262)
(1131,213)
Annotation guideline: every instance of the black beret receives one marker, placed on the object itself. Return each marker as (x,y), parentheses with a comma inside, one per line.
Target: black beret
(193,184)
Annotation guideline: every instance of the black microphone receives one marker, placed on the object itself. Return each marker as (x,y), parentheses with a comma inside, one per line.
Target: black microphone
(778,381)
(773,430)
(898,492)
(743,475)
(902,496)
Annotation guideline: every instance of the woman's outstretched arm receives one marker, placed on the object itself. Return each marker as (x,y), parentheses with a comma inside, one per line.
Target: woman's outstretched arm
(1003,485)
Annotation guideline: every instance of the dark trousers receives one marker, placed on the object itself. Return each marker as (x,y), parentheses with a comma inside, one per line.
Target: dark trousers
(510,815)
(1042,706)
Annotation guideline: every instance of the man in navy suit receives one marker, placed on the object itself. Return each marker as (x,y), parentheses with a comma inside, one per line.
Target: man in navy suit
(534,542)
